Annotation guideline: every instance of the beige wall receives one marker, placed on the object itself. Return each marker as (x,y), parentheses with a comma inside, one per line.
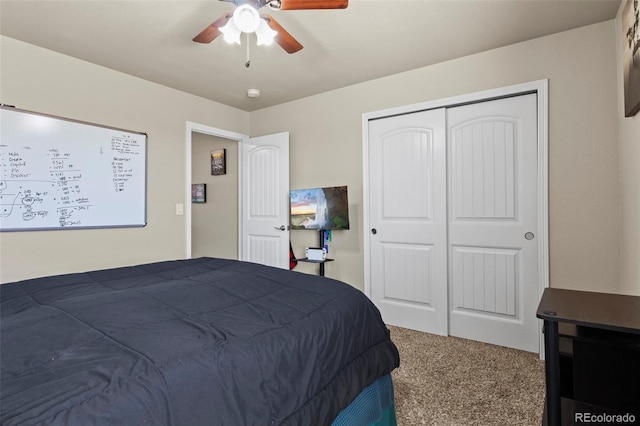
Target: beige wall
(326,150)
(629,135)
(326,144)
(214,224)
(40,80)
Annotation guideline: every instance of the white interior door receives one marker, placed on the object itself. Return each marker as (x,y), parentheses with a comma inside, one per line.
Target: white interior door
(493,257)
(265,200)
(407,215)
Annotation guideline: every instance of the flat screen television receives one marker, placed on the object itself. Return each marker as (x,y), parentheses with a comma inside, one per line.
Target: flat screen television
(320,208)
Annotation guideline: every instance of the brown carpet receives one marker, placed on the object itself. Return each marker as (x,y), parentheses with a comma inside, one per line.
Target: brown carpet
(451,381)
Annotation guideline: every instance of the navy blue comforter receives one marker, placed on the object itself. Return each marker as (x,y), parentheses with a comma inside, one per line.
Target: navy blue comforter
(186,342)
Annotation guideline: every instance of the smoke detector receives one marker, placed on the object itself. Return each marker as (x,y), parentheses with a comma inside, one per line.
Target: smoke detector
(253,93)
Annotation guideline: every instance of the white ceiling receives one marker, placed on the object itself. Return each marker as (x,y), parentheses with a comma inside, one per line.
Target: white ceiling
(369,39)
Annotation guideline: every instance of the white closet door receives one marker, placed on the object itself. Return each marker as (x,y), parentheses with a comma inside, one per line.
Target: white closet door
(407,213)
(493,251)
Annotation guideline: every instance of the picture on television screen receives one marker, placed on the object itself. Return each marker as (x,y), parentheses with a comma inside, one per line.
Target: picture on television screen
(320,208)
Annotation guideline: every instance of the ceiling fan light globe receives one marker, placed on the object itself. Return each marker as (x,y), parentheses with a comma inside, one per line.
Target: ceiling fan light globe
(265,34)
(231,32)
(246,18)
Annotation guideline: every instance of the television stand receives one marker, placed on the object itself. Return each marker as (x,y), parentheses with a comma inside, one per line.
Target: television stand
(319,262)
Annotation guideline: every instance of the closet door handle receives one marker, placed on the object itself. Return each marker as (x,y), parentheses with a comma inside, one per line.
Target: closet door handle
(374,231)
(529,236)
(280,228)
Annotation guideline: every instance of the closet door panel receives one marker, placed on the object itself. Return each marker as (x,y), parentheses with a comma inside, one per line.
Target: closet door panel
(492,206)
(407,213)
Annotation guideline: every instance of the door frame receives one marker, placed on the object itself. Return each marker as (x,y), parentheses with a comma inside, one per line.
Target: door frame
(213,131)
(541,88)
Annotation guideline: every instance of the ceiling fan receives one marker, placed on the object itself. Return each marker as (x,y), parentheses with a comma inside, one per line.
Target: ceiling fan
(245,18)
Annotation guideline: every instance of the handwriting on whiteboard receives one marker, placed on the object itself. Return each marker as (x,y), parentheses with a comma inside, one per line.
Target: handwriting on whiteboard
(39,183)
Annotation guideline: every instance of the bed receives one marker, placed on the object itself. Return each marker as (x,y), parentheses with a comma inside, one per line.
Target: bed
(190,342)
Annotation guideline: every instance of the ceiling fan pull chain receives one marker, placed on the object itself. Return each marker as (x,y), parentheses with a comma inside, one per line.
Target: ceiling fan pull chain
(248,63)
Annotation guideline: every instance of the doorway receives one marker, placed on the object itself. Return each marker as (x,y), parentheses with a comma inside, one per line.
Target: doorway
(199,130)
(215,219)
(455,209)
(262,194)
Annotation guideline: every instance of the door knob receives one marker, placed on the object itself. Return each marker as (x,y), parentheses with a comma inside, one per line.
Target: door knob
(280,228)
(374,231)
(529,236)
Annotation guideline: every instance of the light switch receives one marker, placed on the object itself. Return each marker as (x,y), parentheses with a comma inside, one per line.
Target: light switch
(179,209)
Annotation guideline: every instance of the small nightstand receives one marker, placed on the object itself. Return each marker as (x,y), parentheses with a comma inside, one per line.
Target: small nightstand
(592,355)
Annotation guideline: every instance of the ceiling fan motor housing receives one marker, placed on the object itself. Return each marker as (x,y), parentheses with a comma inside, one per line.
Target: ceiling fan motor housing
(257,4)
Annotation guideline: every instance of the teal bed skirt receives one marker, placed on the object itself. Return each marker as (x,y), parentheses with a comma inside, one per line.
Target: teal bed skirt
(374,406)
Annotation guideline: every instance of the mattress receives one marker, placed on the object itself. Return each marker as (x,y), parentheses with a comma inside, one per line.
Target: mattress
(187,342)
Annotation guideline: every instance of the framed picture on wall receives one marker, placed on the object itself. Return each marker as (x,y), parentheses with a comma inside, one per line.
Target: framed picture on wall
(631,57)
(199,193)
(218,162)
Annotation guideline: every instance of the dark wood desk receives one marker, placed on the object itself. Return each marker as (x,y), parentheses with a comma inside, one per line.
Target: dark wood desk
(602,362)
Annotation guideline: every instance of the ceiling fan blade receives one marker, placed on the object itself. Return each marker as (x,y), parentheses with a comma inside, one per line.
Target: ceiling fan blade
(284,39)
(212,31)
(313,4)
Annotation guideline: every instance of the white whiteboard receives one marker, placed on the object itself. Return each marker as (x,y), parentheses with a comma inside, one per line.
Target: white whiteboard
(63,174)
